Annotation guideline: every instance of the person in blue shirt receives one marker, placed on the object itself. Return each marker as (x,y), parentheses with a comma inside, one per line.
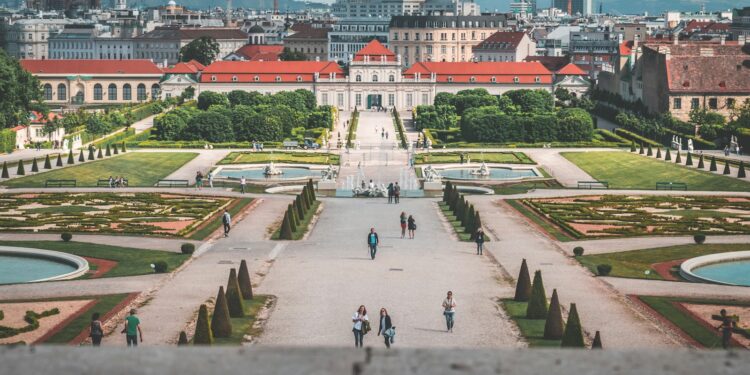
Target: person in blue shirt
(372,242)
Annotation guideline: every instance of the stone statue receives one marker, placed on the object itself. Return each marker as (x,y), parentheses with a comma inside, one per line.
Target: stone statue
(329,174)
(482,171)
(430,174)
(690,145)
(271,170)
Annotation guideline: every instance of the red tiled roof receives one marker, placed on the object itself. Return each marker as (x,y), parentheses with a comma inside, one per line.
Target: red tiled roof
(501,40)
(90,67)
(253,52)
(483,72)
(708,74)
(267,71)
(196,64)
(626,48)
(552,63)
(571,70)
(375,51)
(37,117)
(705,26)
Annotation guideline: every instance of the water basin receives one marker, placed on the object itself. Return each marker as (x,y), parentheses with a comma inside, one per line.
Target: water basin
(257,173)
(496,173)
(732,272)
(21,265)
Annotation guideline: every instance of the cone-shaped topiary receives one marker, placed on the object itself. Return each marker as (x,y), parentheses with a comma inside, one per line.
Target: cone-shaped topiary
(203,334)
(246,287)
(700,162)
(460,206)
(668,156)
(20,171)
(523,284)
(537,308)
(632,147)
(115,150)
(34,166)
(741,171)
(221,325)
(182,341)
(477,224)
(292,221)
(649,152)
(91,153)
(70,157)
(712,166)
(470,220)
(313,198)
(5,170)
(80,156)
(446,191)
(597,344)
(305,201)
(47,162)
(99,154)
(640,149)
(109,151)
(658,152)
(678,159)
(573,335)
(59,162)
(123,147)
(300,209)
(235,301)
(689,160)
(726,167)
(286,228)
(553,327)
(468,214)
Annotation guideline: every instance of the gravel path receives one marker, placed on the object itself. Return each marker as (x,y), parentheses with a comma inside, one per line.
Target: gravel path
(675,288)
(614,245)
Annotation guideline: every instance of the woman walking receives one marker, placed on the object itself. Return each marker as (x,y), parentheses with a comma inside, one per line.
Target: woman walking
(96,332)
(449,310)
(403,224)
(412,226)
(386,327)
(361,325)
(479,239)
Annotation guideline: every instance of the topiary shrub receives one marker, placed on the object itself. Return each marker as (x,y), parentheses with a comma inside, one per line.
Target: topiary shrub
(573,335)
(700,162)
(243,278)
(234,297)
(5,174)
(187,248)
(689,160)
(99,154)
(537,307)
(293,221)
(115,150)
(59,162)
(91,153)
(221,325)
(160,266)
(70,157)
(203,334)
(66,236)
(603,269)
(726,167)
(286,228)
(20,171)
(699,238)
(47,162)
(678,159)
(577,251)
(658,152)
(553,327)
(109,151)
(640,150)
(632,147)
(80,156)
(124,150)
(668,156)
(477,222)
(34,166)
(597,344)
(712,167)
(183,340)
(523,284)
(300,209)
(741,170)
(649,151)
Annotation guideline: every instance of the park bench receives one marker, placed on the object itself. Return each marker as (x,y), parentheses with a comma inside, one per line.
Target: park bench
(60,183)
(671,186)
(105,182)
(173,183)
(288,145)
(593,185)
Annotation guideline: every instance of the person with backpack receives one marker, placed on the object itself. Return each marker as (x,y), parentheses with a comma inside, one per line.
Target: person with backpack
(361,325)
(372,242)
(226,219)
(386,327)
(96,332)
(412,224)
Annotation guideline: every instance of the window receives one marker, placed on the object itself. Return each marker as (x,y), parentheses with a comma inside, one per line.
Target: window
(358,100)
(234,78)
(358,78)
(473,79)
(409,100)
(213,78)
(126,92)
(493,79)
(256,78)
(278,78)
(391,78)
(97,92)
(324,98)
(450,79)
(155,91)
(730,103)
(62,92)
(695,103)
(425,98)
(515,80)
(112,92)
(374,77)
(677,103)
(391,100)
(141,92)
(713,103)
(340,99)
(537,79)
(47,92)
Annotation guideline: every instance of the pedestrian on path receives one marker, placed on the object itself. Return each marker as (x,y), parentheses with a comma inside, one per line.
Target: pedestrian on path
(386,327)
(402,218)
(95,331)
(726,327)
(449,310)
(198,180)
(479,239)
(243,182)
(412,226)
(372,242)
(390,192)
(226,219)
(361,325)
(132,329)
(396,192)
(211,180)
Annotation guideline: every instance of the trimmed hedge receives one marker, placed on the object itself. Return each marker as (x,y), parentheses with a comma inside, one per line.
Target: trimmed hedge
(635,137)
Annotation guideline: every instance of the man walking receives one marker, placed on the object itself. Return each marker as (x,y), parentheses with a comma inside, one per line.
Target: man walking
(226,219)
(390,192)
(132,329)
(396,192)
(372,242)
(242,184)
(726,327)
(211,179)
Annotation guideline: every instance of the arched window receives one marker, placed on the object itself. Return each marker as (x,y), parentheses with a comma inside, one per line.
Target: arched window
(62,92)
(516,80)
(141,92)
(47,92)
(358,78)
(98,92)
(537,79)
(112,92)
(155,92)
(374,77)
(213,78)
(450,79)
(127,93)
(391,78)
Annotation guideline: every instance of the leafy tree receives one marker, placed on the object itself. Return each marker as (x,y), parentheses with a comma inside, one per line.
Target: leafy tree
(249,98)
(292,99)
(562,94)
(531,101)
(287,116)
(258,127)
(95,125)
(208,98)
(289,55)
(203,50)
(475,98)
(308,98)
(20,92)
(444,98)
(168,127)
(319,119)
(209,126)
(702,116)
(574,124)
(188,93)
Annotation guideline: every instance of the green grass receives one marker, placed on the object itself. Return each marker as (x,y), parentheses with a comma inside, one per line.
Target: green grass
(476,157)
(553,230)
(524,187)
(455,223)
(82,322)
(531,329)
(280,157)
(633,264)
(61,209)
(140,168)
(708,338)
(303,226)
(630,171)
(130,261)
(215,223)
(244,326)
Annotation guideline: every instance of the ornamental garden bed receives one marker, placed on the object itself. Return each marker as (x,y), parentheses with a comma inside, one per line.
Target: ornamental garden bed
(155,214)
(607,216)
(476,157)
(300,157)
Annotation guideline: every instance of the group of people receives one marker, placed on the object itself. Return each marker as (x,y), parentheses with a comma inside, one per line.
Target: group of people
(118,181)
(257,146)
(199,177)
(132,329)
(407,223)
(361,322)
(394,192)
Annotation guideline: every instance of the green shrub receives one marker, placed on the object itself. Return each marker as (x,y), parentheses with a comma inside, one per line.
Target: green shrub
(183,340)
(293,222)
(187,248)
(640,150)
(523,284)
(668,157)
(221,324)
(47,162)
(578,251)
(700,162)
(109,151)
(203,334)
(741,170)
(597,344)
(234,297)
(59,162)
(160,266)
(7,141)
(286,228)
(99,154)
(5,173)
(246,287)
(658,152)
(80,156)
(91,153)
(20,171)
(650,152)
(65,236)
(537,308)
(726,167)
(689,161)
(678,159)
(603,269)
(699,238)
(573,335)
(632,146)
(34,166)
(553,327)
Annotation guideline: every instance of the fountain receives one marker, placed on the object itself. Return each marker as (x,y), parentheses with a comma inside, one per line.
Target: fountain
(271,170)
(483,171)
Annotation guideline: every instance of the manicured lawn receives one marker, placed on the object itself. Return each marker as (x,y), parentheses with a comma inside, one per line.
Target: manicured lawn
(553,230)
(303,226)
(140,168)
(455,223)
(634,264)
(215,222)
(524,187)
(244,326)
(531,329)
(475,157)
(130,261)
(83,321)
(630,171)
(280,157)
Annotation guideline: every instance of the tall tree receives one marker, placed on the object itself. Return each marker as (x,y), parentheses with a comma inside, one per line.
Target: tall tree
(289,55)
(20,92)
(203,50)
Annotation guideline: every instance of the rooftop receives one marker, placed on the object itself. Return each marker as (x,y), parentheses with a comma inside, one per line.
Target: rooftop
(375,51)
(194,33)
(502,40)
(496,72)
(90,67)
(708,74)
(268,71)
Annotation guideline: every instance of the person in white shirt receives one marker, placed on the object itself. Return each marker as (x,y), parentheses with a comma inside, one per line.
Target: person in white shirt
(211,179)
(449,310)
(361,323)
(226,219)
(242,184)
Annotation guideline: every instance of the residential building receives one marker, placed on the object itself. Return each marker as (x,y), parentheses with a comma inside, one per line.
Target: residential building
(83,82)
(440,38)
(256,52)
(312,41)
(62,5)
(571,7)
(740,23)
(178,77)
(34,132)
(505,46)
(28,38)
(352,34)
(388,8)
(630,31)
(89,41)
(592,50)
(164,43)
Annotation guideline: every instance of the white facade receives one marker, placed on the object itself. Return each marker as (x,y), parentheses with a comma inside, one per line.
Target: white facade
(351,35)
(388,8)
(28,38)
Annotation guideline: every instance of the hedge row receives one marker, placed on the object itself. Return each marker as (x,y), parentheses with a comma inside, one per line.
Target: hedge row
(400,129)
(635,137)
(352,129)
(7,141)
